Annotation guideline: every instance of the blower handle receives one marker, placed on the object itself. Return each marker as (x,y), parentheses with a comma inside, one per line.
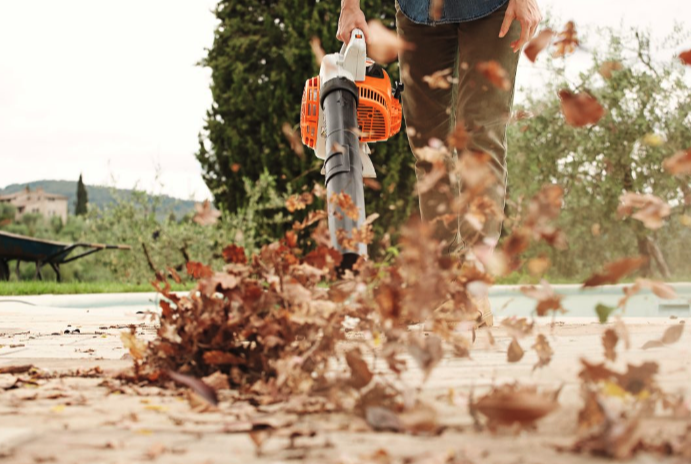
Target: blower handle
(354,55)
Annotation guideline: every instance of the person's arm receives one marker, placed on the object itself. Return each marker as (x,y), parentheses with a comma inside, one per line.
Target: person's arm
(526,12)
(351,18)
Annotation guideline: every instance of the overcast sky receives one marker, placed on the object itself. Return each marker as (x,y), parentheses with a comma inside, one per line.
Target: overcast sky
(110,88)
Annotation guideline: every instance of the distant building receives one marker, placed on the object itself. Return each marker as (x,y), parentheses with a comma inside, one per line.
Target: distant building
(37,201)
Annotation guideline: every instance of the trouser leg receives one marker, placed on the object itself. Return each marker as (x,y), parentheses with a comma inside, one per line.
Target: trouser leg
(428,111)
(486,109)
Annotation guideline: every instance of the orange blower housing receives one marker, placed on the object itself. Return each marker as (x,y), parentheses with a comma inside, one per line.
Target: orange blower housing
(378,112)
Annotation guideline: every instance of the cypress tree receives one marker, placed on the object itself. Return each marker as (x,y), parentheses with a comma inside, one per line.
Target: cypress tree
(82,198)
(260,60)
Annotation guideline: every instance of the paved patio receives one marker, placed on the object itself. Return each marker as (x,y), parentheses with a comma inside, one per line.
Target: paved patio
(77,420)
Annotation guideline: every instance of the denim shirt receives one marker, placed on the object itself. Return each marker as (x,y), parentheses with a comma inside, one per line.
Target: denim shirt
(455,11)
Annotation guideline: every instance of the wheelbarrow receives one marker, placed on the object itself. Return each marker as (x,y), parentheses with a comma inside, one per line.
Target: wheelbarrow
(43,252)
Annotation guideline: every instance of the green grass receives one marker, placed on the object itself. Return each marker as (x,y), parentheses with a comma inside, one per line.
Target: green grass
(75,288)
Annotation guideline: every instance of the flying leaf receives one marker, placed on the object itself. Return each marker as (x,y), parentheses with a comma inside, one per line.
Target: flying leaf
(518,327)
(459,137)
(609,343)
(539,43)
(672,335)
(426,351)
(360,374)
(514,404)
(581,109)
(198,386)
(198,270)
(205,214)
(294,140)
(515,352)
(615,271)
(603,312)
(547,299)
(679,163)
(317,50)
(495,73)
(660,289)
(567,41)
(383,44)
(685,57)
(651,209)
(234,254)
(544,351)
(439,79)
(436,9)
(608,67)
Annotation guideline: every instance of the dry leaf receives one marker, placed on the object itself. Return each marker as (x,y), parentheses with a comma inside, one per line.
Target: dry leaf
(383,44)
(685,57)
(205,214)
(436,9)
(317,50)
(426,351)
(609,343)
(544,351)
(515,404)
(538,266)
(608,67)
(538,43)
(581,109)
(651,209)
(495,73)
(198,270)
(294,140)
(679,163)
(672,335)
(515,352)
(199,387)
(567,41)
(547,299)
(234,254)
(360,375)
(518,327)
(439,79)
(615,271)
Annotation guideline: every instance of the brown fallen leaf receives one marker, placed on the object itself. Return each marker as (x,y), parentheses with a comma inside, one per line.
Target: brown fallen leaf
(567,41)
(679,163)
(421,419)
(436,9)
(518,327)
(685,57)
(294,140)
(427,351)
(544,351)
(18,369)
(360,374)
(672,335)
(608,67)
(592,414)
(383,419)
(515,352)
(459,137)
(515,404)
(198,270)
(617,438)
(615,271)
(651,209)
(234,254)
(547,299)
(495,73)
(581,109)
(660,289)
(205,214)
(538,266)
(383,44)
(198,386)
(609,342)
(539,43)
(317,50)
(439,79)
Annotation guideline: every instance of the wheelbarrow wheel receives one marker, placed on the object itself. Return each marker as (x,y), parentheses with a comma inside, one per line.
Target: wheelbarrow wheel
(4,271)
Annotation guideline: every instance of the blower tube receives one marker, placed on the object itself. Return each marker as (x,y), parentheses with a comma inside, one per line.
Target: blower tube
(343,167)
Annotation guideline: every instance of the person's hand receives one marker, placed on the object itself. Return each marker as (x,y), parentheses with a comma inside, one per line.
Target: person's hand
(526,12)
(351,18)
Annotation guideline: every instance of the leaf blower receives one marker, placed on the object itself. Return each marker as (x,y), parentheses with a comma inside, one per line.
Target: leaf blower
(349,104)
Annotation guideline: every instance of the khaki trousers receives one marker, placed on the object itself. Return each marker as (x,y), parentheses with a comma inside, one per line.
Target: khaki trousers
(431,113)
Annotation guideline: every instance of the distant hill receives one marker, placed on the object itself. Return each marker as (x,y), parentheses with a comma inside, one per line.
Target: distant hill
(99,196)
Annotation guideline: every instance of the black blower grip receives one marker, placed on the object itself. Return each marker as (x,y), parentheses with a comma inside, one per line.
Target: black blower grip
(343,167)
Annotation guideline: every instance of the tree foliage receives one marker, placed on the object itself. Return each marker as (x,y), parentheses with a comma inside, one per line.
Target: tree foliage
(80,208)
(648,108)
(260,61)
